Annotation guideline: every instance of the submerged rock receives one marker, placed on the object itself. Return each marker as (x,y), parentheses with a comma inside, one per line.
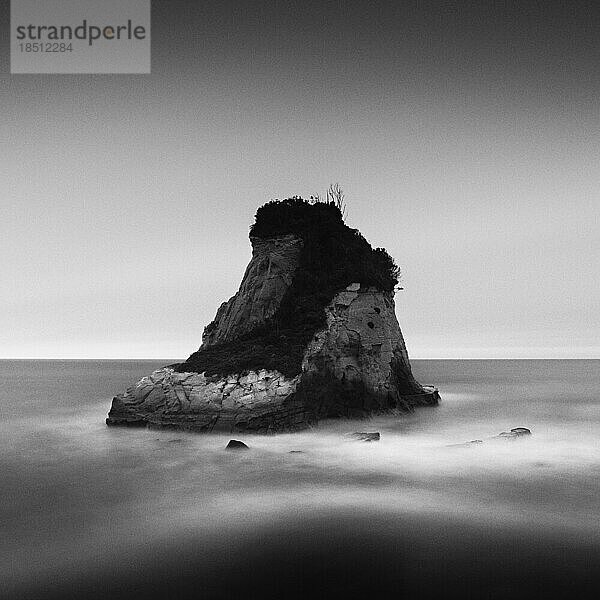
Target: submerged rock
(236,445)
(510,435)
(515,433)
(521,431)
(300,341)
(365,436)
(465,444)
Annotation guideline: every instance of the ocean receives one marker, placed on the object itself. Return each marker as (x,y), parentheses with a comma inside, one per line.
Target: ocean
(89,511)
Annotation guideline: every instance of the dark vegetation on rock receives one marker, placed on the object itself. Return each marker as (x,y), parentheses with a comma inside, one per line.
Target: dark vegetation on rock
(333,256)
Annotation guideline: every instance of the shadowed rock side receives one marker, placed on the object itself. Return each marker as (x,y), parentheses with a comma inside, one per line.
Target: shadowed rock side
(355,364)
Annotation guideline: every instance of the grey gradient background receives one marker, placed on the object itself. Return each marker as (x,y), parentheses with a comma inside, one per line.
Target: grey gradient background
(466,137)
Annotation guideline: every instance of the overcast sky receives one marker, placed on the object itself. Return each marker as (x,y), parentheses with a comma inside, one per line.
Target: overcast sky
(467,141)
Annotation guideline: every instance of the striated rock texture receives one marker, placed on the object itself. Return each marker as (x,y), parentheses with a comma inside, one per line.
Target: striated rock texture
(312,333)
(362,346)
(190,401)
(267,278)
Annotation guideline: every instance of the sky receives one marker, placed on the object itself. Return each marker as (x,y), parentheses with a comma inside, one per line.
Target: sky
(466,138)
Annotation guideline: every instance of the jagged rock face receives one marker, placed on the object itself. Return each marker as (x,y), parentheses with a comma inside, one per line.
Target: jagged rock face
(190,401)
(268,276)
(361,341)
(361,348)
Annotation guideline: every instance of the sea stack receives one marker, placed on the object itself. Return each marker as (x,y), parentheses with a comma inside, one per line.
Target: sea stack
(312,333)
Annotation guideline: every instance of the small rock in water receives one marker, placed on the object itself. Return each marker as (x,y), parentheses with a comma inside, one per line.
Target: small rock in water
(515,433)
(366,436)
(236,445)
(465,444)
(521,431)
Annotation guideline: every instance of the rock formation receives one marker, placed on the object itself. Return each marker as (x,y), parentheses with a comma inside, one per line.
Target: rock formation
(311,333)
(268,276)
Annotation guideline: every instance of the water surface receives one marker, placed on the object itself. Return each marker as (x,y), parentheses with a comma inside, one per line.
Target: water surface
(91,511)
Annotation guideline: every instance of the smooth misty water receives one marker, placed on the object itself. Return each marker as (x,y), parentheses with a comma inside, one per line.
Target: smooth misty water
(87,511)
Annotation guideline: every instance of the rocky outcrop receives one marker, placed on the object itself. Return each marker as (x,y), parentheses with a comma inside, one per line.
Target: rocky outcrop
(363,345)
(268,276)
(346,358)
(259,402)
(361,348)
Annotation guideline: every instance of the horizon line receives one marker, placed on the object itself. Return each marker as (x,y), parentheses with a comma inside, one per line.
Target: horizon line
(169,360)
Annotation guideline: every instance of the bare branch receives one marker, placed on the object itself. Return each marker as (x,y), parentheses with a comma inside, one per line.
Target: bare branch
(335,194)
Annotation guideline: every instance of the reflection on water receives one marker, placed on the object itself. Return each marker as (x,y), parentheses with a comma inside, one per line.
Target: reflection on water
(92,510)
